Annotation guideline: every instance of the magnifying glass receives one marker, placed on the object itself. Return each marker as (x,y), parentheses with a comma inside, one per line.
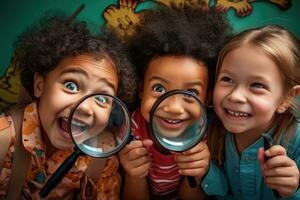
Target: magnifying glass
(178,122)
(99,125)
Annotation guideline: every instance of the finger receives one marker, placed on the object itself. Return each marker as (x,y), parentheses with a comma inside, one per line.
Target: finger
(275,151)
(193,165)
(199,147)
(137,153)
(140,161)
(140,171)
(147,143)
(281,172)
(192,157)
(277,182)
(283,191)
(131,145)
(279,161)
(193,172)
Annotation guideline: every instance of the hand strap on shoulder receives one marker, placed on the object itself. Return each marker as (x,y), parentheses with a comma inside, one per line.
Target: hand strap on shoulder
(20,162)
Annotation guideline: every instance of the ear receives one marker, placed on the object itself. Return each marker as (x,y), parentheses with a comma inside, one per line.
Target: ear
(38,85)
(287,102)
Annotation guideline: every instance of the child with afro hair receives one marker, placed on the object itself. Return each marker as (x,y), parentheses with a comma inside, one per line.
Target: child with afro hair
(173,48)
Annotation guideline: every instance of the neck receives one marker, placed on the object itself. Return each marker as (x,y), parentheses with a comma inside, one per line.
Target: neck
(242,141)
(50,149)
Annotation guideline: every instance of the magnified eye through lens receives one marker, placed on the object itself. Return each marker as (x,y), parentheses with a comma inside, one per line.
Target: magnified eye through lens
(178,120)
(99,125)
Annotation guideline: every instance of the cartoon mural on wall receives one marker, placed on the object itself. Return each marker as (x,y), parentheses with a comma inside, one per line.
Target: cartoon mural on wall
(122,17)
(9,86)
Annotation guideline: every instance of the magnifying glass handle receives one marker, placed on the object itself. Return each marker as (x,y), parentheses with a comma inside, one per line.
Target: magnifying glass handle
(192,181)
(60,173)
(267,145)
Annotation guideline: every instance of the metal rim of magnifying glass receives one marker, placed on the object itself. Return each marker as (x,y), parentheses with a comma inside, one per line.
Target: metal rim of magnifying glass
(162,98)
(120,146)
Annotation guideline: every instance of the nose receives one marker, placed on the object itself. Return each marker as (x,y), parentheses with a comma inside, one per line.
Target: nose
(238,95)
(85,108)
(174,104)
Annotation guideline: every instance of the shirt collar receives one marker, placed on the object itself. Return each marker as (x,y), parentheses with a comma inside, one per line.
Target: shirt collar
(31,131)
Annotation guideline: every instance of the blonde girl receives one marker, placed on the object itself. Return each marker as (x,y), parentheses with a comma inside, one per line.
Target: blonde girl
(257,82)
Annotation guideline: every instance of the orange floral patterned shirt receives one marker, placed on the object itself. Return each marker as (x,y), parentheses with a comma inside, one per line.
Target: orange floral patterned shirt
(75,184)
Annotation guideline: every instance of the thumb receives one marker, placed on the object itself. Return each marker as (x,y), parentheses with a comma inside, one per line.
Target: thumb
(147,143)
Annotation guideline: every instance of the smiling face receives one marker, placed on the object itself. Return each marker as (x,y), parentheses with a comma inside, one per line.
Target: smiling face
(62,87)
(169,73)
(248,92)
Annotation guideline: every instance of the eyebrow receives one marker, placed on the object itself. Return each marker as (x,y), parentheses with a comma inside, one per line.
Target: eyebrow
(84,73)
(192,83)
(253,77)
(159,78)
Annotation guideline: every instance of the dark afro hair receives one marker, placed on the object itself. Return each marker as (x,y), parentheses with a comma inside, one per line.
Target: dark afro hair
(43,46)
(179,31)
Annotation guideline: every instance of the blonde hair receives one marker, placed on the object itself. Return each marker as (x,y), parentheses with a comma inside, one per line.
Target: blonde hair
(284,49)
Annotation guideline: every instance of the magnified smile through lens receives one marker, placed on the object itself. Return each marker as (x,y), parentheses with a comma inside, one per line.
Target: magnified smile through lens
(77,126)
(170,123)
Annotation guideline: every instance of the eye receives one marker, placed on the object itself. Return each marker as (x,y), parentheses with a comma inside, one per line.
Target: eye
(102,99)
(72,86)
(194,92)
(258,86)
(226,79)
(159,88)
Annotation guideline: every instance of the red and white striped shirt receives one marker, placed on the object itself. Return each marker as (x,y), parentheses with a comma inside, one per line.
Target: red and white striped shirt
(163,175)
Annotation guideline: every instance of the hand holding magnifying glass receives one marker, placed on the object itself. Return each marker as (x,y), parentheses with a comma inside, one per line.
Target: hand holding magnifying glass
(178,123)
(99,125)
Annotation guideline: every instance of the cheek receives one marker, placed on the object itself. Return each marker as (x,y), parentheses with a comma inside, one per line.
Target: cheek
(218,96)
(146,107)
(264,107)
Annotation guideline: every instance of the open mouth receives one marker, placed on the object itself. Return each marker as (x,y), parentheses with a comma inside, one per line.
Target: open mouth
(170,123)
(77,127)
(237,114)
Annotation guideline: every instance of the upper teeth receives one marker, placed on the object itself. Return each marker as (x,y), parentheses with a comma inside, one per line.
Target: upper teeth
(76,123)
(237,114)
(172,121)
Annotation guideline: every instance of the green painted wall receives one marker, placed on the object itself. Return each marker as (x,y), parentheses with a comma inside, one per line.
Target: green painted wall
(15,15)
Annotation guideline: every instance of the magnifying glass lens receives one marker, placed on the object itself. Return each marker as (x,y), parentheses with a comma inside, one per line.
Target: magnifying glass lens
(178,120)
(99,125)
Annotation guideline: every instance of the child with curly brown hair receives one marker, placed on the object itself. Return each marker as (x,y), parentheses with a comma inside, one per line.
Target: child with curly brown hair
(61,61)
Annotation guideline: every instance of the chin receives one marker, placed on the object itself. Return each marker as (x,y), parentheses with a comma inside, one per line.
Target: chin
(234,130)
(62,145)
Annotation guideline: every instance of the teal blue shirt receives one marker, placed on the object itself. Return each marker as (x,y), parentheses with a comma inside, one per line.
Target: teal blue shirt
(240,176)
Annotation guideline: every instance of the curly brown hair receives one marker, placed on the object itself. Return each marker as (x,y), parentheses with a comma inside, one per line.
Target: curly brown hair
(55,37)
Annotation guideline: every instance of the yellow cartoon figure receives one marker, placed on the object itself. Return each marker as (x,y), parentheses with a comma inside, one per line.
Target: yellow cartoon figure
(121,18)
(9,86)
(242,7)
(202,3)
